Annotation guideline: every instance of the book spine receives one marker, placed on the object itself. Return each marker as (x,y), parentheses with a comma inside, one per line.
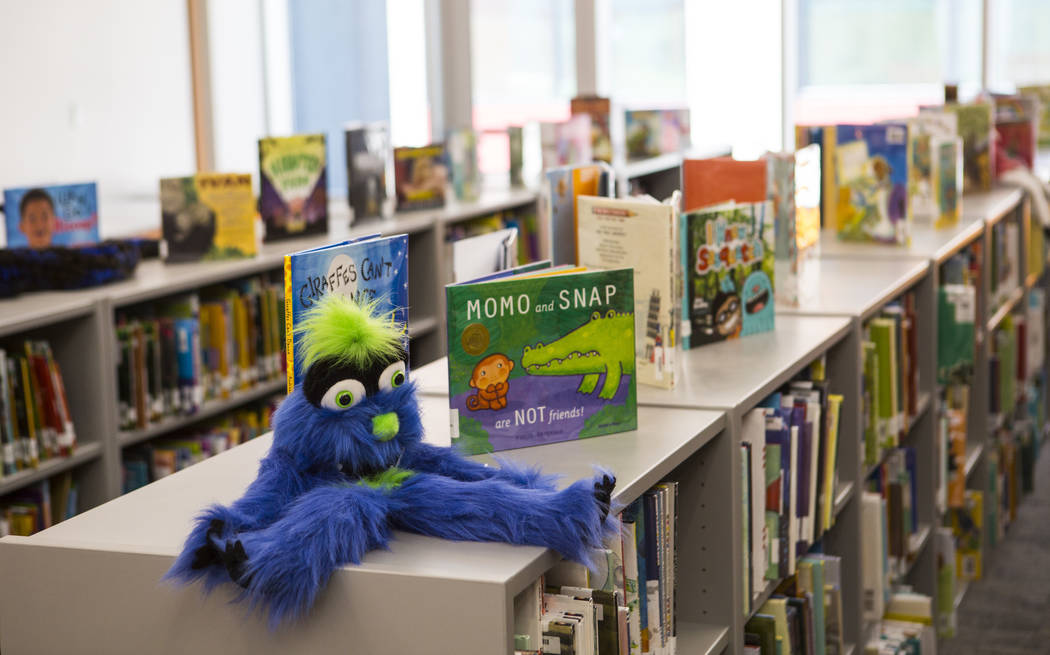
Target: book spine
(289,349)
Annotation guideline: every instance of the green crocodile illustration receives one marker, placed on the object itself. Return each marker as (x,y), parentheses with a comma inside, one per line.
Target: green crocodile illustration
(604,344)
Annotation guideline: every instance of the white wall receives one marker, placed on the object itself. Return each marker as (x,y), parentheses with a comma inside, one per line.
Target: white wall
(96,90)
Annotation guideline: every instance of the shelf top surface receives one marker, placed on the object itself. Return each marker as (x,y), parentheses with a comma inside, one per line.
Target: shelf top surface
(31,310)
(155,519)
(858,287)
(733,374)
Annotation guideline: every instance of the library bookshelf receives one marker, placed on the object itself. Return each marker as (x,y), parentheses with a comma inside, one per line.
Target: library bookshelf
(461,597)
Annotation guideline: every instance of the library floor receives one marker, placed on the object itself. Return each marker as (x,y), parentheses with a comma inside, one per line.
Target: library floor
(1008,612)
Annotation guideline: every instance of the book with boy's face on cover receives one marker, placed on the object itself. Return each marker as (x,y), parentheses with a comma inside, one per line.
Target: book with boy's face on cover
(727,272)
(365,269)
(58,215)
(541,357)
(208,216)
(293,185)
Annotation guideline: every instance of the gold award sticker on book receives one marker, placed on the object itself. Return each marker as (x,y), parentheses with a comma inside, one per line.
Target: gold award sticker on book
(475,339)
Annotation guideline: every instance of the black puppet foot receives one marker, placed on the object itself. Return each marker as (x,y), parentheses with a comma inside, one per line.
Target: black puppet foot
(603,493)
(209,553)
(235,557)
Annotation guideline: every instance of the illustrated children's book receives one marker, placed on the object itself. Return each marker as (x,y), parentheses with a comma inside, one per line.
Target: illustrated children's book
(727,269)
(567,143)
(600,110)
(516,144)
(977,129)
(368,169)
(794,188)
(421,175)
(654,132)
(639,233)
(948,179)
(462,147)
(1016,126)
(925,133)
(869,191)
(59,215)
(566,184)
(208,216)
(1041,94)
(541,357)
(365,269)
(293,193)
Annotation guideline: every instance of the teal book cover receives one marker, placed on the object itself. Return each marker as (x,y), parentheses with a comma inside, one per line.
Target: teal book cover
(727,264)
(541,359)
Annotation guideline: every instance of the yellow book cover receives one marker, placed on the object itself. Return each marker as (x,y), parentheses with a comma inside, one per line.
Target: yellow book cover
(208,216)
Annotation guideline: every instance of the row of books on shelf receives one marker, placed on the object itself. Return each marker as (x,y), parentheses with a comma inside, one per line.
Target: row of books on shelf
(803,616)
(789,451)
(895,480)
(147,462)
(625,605)
(890,376)
(1004,276)
(39,506)
(176,355)
(35,423)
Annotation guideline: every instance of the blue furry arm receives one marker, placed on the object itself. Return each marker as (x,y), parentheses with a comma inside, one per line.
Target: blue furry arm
(276,485)
(286,564)
(426,458)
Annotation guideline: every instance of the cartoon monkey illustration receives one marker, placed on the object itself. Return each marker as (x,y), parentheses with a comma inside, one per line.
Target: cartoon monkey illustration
(490,379)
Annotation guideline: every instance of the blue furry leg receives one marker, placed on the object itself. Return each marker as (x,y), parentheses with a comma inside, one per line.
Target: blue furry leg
(572,521)
(287,564)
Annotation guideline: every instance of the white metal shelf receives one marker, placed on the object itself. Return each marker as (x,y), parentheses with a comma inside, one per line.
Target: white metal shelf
(851,287)
(207,410)
(83,453)
(701,638)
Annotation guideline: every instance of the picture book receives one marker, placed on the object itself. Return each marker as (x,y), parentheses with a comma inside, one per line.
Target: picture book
(516,145)
(948,179)
(462,147)
(600,110)
(369,268)
(1016,126)
(566,143)
(540,358)
(922,189)
(1042,95)
(421,175)
(793,181)
(293,191)
(57,215)
(707,182)
(640,234)
(208,216)
(977,128)
(368,169)
(870,197)
(565,185)
(727,268)
(653,132)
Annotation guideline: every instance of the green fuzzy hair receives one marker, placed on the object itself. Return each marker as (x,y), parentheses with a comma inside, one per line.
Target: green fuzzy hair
(350,332)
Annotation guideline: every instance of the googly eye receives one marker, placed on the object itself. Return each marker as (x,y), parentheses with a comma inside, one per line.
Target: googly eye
(393,376)
(344,394)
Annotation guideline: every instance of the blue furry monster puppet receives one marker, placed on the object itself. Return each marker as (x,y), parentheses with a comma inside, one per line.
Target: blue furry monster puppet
(347,466)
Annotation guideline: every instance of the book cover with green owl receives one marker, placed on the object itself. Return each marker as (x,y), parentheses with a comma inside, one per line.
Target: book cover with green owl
(541,358)
(728,271)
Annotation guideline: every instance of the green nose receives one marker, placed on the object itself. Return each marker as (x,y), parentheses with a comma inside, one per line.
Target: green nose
(385,426)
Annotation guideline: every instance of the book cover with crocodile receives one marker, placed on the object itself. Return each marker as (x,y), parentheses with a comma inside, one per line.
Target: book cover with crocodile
(727,268)
(541,358)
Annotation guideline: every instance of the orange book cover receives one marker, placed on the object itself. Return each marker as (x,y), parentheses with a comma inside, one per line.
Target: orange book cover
(707,182)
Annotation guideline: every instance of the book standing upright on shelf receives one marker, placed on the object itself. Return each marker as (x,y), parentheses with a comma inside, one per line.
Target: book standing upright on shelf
(567,143)
(794,188)
(368,157)
(565,184)
(293,185)
(541,357)
(1016,128)
(976,127)
(600,111)
(57,215)
(1041,94)
(641,234)
(371,268)
(208,216)
(727,269)
(462,148)
(421,175)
